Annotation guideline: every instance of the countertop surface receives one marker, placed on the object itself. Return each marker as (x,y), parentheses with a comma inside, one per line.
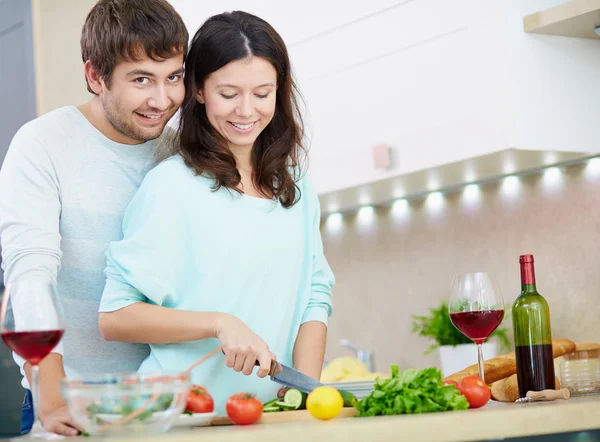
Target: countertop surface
(494,421)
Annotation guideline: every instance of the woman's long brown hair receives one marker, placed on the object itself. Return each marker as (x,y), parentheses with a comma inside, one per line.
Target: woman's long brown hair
(277,154)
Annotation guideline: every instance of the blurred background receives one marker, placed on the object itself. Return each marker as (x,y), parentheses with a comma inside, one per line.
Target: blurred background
(444,137)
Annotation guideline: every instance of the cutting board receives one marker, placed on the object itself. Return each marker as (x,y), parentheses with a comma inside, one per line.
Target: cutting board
(280,417)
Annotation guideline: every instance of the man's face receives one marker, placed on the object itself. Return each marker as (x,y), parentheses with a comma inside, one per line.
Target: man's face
(142,97)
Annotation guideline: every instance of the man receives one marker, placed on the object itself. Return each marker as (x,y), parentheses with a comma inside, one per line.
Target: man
(69,175)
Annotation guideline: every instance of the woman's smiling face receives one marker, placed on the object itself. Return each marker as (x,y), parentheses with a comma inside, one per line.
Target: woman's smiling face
(240,100)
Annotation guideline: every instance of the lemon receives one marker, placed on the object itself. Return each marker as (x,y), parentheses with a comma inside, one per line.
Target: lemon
(324,403)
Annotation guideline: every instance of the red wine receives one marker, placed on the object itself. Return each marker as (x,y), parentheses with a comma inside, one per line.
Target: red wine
(536,366)
(533,335)
(477,325)
(33,346)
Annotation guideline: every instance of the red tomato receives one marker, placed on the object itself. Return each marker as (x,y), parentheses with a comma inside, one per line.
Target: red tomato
(475,390)
(199,400)
(450,382)
(243,408)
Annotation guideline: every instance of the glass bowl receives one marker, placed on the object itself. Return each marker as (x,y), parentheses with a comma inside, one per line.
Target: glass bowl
(580,370)
(126,403)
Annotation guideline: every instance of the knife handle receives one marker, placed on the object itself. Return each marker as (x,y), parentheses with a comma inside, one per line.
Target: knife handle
(548,395)
(274,367)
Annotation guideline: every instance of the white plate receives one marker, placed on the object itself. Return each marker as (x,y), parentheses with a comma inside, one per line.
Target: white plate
(184,420)
(360,389)
(355,385)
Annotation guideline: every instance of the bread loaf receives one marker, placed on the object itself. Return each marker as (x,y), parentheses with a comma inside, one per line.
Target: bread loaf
(503,366)
(507,389)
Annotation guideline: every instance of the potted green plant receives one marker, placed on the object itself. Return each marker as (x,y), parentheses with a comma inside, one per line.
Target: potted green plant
(456,351)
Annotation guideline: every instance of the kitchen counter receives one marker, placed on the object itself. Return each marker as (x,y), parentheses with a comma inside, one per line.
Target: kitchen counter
(494,421)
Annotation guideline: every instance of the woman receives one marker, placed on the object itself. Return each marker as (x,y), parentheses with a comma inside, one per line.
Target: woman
(221,243)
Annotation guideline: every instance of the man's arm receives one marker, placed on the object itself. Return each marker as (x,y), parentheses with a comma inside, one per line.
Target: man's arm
(29,208)
(53,410)
(29,234)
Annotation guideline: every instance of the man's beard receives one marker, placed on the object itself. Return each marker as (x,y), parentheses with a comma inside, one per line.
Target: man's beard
(121,123)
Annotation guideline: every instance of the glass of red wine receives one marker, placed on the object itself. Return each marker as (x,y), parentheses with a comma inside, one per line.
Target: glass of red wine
(31,325)
(476,309)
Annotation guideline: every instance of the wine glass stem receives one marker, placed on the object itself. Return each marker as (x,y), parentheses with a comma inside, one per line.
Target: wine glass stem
(480,361)
(35,392)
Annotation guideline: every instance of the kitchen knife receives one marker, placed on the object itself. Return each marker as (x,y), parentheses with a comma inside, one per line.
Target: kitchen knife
(289,377)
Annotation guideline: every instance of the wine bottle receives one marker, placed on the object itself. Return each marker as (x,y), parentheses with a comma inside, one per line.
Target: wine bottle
(533,335)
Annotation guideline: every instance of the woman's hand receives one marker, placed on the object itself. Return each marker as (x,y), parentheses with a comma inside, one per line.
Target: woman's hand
(242,347)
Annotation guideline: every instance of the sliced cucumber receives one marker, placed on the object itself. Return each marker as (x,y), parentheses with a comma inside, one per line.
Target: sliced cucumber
(285,406)
(271,409)
(270,403)
(295,398)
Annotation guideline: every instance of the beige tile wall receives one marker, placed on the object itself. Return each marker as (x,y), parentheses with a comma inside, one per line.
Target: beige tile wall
(59,76)
(403,263)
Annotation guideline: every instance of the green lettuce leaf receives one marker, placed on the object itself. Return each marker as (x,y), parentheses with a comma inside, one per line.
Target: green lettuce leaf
(411,391)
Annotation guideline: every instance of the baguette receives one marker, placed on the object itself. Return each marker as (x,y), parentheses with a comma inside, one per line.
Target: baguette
(507,389)
(503,366)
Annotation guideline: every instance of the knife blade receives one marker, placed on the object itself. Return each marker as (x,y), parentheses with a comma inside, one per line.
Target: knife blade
(289,377)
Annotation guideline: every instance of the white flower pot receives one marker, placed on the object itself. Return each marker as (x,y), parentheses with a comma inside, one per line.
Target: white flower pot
(455,358)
